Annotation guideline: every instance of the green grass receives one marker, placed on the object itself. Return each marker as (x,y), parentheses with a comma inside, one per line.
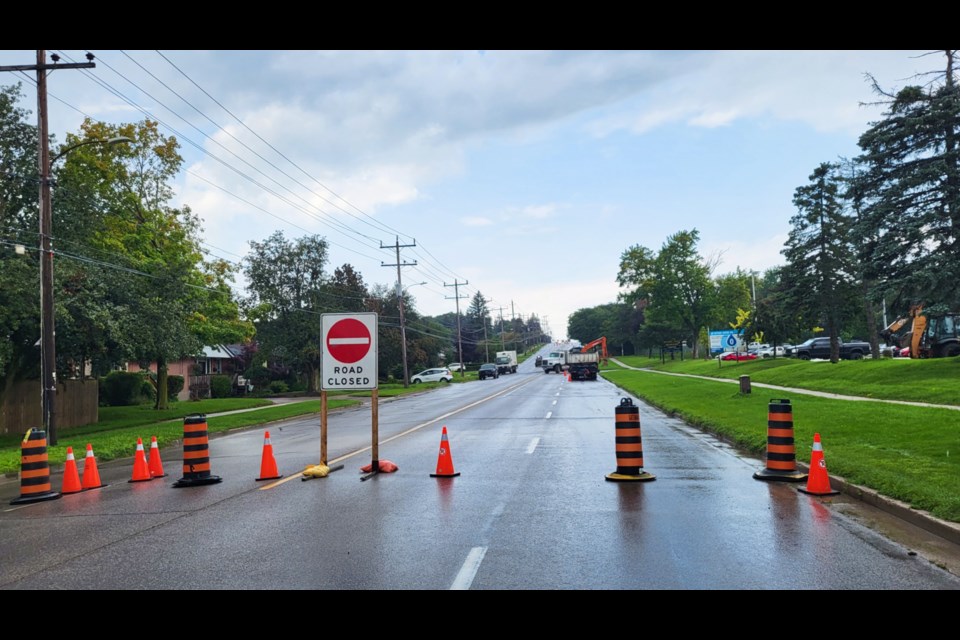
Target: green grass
(936,381)
(116,437)
(908,453)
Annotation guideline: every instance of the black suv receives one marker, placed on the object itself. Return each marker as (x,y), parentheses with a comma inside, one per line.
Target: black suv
(488,371)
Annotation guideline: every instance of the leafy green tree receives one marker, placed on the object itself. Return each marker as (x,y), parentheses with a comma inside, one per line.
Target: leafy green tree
(157,300)
(19,223)
(911,191)
(675,283)
(820,255)
(287,292)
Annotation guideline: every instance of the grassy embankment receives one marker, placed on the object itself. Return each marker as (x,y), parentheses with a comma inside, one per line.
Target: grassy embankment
(908,453)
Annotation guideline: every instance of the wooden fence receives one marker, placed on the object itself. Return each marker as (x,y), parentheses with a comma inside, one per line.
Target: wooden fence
(77,403)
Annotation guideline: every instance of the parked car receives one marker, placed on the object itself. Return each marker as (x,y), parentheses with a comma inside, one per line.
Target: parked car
(733,355)
(456,367)
(441,374)
(488,370)
(770,351)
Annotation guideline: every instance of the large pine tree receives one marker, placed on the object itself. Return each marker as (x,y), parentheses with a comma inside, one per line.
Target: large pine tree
(821,269)
(912,214)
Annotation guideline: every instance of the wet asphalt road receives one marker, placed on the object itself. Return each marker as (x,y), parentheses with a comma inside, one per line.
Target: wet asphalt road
(531,510)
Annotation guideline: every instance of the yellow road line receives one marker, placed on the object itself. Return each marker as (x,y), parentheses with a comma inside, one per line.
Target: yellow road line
(405,433)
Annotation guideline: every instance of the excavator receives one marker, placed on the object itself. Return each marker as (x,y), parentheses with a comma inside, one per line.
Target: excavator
(932,335)
(601,341)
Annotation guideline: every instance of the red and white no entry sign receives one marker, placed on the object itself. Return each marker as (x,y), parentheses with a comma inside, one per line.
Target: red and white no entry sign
(349,351)
(348,340)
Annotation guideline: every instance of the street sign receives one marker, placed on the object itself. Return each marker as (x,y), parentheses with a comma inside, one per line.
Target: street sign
(349,351)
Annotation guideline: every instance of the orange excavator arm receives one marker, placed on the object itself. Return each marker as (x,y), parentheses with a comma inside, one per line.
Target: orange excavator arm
(602,341)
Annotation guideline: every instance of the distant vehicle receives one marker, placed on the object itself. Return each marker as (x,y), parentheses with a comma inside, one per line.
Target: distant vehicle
(506,361)
(441,374)
(769,352)
(488,370)
(820,348)
(456,367)
(733,355)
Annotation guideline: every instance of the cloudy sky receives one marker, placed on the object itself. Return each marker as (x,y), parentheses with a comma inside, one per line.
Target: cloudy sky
(524,173)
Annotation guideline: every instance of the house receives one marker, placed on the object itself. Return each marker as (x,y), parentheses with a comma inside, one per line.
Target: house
(196,371)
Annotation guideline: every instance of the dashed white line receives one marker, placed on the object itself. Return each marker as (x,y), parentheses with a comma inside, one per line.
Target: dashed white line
(554,402)
(549,413)
(469,569)
(533,445)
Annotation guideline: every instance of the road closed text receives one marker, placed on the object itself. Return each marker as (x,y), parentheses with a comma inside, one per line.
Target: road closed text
(348,376)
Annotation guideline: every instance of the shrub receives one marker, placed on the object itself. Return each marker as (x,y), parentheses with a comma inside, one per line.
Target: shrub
(259,376)
(278,386)
(221,386)
(174,386)
(122,388)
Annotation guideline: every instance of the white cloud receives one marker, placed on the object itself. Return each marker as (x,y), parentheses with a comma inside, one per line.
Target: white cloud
(476,221)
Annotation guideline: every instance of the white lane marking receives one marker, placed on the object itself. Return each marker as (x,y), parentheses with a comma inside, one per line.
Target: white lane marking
(558,393)
(469,569)
(549,413)
(554,402)
(533,445)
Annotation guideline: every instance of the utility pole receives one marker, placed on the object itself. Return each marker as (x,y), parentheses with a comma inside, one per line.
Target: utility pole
(48,355)
(456,295)
(502,347)
(513,325)
(403,328)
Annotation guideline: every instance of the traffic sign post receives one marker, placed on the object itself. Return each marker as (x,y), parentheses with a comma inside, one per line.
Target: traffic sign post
(349,363)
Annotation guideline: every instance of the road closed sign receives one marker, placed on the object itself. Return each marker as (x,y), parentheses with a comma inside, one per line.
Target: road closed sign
(349,351)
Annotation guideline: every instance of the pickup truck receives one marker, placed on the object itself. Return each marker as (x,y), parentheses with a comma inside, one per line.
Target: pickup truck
(820,348)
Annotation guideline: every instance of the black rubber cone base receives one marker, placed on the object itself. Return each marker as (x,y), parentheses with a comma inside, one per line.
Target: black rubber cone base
(445,475)
(40,497)
(196,482)
(780,476)
(818,493)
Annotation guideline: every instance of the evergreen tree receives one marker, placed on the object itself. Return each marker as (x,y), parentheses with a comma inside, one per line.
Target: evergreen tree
(821,261)
(911,211)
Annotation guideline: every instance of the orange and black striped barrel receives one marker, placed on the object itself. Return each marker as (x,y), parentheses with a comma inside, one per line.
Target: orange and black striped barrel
(781,450)
(196,453)
(629,444)
(34,469)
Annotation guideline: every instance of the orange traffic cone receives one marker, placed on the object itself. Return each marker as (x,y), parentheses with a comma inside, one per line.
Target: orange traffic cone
(91,476)
(156,464)
(818,481)
(268,465)
(71,476)
(444,460)
(141,471)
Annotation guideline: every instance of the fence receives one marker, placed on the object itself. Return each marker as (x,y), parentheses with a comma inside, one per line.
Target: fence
(77,403)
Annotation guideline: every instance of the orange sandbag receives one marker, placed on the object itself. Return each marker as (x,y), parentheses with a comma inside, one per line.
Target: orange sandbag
(385,466)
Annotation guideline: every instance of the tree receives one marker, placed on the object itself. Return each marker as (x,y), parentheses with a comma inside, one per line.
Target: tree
(19,273)
(164,301)
(820,254)
(287,292)
(676,284)
(911,189)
